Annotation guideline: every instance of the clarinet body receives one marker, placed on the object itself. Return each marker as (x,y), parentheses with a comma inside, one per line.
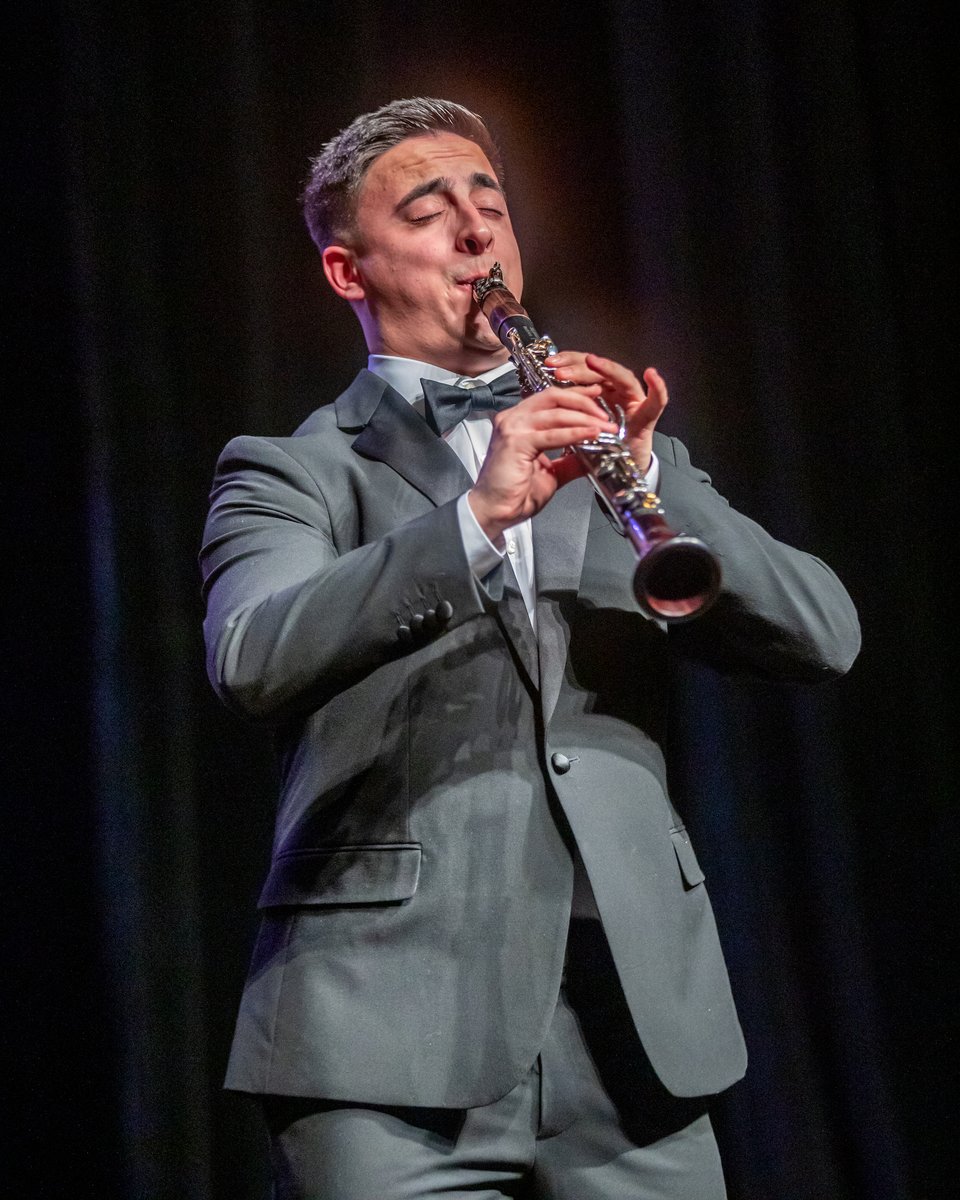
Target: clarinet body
(677,576)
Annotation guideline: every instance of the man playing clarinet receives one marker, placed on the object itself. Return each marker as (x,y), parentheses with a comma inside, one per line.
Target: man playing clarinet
(487,964)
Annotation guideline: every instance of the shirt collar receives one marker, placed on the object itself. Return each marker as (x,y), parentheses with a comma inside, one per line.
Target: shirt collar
(404,374)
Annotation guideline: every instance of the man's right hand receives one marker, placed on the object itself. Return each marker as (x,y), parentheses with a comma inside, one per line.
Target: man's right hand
(517,479)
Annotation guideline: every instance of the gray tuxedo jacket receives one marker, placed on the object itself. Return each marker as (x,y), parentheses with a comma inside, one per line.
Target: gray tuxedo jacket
(439,760)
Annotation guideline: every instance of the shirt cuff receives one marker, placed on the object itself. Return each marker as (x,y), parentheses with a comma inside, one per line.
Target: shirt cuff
(653,473)
(482,554)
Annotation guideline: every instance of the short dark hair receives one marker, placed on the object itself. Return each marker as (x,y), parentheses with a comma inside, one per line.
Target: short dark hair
(336,174)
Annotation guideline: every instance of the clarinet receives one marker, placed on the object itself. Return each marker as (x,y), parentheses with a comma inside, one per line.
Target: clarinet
(677,576)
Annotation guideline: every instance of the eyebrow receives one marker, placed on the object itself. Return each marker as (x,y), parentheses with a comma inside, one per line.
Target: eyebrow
(479,179)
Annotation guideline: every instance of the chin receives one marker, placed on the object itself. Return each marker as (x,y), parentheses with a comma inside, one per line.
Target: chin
(479,336)
(486,356)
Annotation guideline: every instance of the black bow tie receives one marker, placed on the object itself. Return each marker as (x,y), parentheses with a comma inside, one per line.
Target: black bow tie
(446,404)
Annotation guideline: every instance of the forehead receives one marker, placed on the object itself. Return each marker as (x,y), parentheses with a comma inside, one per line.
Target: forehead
(419,159)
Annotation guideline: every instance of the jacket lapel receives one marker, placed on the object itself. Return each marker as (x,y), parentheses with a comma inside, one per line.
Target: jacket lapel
(394,433)
(559,543)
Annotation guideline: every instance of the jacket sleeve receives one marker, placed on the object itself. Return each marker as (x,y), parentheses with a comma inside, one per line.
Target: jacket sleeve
(781,614)
(291,617)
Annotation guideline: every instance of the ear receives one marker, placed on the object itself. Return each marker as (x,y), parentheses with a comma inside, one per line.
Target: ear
(340,268)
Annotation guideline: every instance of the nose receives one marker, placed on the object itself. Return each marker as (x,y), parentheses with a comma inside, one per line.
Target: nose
(474,235)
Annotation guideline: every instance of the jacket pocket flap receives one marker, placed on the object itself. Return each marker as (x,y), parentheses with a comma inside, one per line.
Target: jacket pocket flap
(686,857)
(343,875)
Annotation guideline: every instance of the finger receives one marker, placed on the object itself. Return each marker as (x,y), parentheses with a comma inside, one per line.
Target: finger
(615,373)
(570,366)
(589,424)
(565,358)
(557,439)
(578,373)
(582,399)
(656,386)
(551,395)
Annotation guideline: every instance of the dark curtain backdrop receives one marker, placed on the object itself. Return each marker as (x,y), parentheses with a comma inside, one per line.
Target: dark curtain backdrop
(752,196)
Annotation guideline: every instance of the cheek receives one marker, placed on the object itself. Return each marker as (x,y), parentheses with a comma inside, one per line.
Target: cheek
(399,285)
(425,289)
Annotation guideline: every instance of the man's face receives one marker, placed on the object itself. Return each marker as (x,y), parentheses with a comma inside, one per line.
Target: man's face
(430,219)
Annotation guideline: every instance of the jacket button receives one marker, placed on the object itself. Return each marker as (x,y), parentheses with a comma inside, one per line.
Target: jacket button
(430,623)
(444,611)
(404,634)
(561,764)
(416,624)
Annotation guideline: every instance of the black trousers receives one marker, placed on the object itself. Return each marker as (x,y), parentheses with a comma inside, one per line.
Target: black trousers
(591,1121)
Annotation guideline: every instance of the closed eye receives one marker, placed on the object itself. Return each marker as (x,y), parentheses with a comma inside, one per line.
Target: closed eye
(423,218)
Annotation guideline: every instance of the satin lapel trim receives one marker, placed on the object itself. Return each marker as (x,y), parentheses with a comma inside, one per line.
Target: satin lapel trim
(559,544)
(516,624)
(397,435)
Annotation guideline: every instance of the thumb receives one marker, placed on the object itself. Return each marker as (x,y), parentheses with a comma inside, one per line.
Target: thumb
(565,469)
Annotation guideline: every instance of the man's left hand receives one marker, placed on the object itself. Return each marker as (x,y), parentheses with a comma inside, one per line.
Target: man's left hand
(619,386)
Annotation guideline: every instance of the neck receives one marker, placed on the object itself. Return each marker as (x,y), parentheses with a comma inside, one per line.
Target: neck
(459,358)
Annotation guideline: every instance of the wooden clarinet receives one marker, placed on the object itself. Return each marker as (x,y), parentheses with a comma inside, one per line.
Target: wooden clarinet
(677,576)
